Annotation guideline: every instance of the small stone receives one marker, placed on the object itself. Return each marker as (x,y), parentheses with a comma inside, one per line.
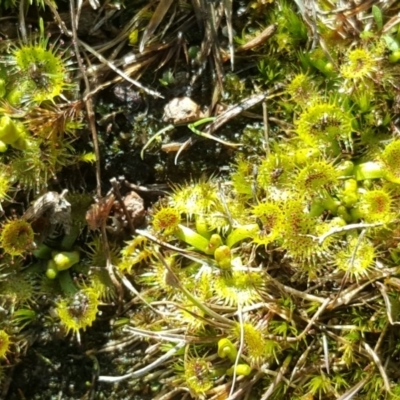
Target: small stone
(182,110)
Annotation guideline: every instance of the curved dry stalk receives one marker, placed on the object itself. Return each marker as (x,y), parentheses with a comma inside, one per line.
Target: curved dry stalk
(21,21)
(375,358)
(118,71)
(240,350)
(321,239)
(174,282)
(278,378)
(158,15)
(165,335)
(88,102)
(144,371)
(352,392)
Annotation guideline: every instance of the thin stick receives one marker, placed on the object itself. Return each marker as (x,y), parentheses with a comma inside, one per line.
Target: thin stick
(388,303)
(59,20)
(266,128)
(122,204)
(353,257)
(240,351)
(258,40)
(321,239)
(295,292)
(378,363)
(118,71)
(92,123)
(21,21)
(351,393)
(278,378)
(320,310)
(88,102)
(174,282)
(144,371)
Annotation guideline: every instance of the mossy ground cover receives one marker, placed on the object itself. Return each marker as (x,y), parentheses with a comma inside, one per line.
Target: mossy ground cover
(199,200)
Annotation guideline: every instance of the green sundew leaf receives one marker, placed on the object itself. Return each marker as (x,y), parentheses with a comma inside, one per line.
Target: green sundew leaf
(377,13)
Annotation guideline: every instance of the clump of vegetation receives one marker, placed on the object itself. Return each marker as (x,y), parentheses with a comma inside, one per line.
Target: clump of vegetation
(268,268)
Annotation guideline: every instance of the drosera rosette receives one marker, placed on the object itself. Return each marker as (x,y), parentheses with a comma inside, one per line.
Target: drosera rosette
(5,182)
(19,287)
(327,126)
(275,173)
(17,237)
(5,343)
(33,167)
(197,373)
(100,281)
(156,276)
(299,232)
(361,63)
(315,178)
(356,258)
(93,267)
(257,348)
(238,287)
(375,205)
(220,216)
(96,255)
(269,217)
(78,311)
(195,197)
(301,89)
(136,252)
(39,70)
(166,220)
(391,160)
(297,226)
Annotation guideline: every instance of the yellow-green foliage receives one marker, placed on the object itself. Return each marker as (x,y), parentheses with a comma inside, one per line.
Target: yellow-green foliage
(4,343)
(325,125)
(278,279)
(79,311)
(16,237)
(40,72)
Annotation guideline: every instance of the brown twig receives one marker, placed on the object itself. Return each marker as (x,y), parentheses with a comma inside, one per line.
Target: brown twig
(92,124)
(122,204)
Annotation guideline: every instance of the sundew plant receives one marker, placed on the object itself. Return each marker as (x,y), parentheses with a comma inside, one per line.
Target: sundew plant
(243,246)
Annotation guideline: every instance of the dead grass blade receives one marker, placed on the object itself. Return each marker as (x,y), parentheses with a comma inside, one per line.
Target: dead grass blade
(159,14)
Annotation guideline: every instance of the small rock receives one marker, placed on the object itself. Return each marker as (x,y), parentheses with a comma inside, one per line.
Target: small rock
(182,110)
